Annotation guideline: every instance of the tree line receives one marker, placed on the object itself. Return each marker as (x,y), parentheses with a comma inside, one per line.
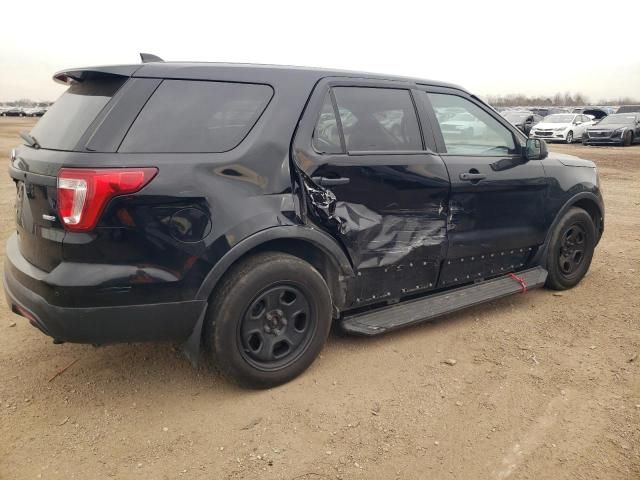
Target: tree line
(559,100)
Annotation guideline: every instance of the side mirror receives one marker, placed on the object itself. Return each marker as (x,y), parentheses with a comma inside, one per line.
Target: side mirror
(535,149)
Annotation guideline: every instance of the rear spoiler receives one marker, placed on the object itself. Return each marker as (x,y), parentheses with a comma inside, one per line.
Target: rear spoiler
(67,77)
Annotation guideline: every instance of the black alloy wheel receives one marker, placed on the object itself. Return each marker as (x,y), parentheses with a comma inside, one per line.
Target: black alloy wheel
(268,319)
(276,327)
(572,249)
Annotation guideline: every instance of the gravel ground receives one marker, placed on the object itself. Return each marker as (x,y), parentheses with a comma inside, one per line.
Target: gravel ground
(544,386)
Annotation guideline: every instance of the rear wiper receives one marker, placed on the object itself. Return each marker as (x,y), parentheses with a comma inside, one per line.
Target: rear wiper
(30,139)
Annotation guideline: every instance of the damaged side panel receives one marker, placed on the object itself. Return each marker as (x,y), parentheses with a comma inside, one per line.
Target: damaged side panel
(390,220)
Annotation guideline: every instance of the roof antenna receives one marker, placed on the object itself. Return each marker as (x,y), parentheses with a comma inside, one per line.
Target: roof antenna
(149,58)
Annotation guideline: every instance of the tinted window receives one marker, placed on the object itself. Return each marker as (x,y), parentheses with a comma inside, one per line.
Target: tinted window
(471,131)
(192,116)
(378,119)
(326,136)
(68,118)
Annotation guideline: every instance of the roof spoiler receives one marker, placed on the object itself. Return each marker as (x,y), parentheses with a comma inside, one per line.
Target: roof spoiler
(150,58)
(76,75)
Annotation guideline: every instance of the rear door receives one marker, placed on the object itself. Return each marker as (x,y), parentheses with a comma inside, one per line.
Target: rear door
(375,184)
(496,207)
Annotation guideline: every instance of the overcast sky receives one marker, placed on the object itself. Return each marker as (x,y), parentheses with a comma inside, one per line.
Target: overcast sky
(489,47)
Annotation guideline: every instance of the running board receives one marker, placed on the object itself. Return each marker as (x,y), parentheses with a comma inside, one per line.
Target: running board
(422,309)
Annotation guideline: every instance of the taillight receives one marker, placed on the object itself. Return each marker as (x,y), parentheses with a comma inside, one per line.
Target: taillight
(84,192)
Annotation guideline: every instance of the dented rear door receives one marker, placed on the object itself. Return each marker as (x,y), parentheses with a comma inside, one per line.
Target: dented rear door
(373,182)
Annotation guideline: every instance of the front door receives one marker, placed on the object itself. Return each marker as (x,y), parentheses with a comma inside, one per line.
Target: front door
(375,185)
(496,207)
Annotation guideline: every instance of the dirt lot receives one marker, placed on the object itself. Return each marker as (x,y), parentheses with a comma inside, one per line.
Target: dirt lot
(545,387)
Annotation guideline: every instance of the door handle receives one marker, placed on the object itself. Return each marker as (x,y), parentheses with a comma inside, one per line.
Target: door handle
(330,182)
(472,177)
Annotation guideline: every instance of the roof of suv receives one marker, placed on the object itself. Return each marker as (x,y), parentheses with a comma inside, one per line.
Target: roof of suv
(222,71)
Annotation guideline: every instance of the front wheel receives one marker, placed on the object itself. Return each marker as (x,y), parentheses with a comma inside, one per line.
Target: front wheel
(571,249)
(569,139)
(628,138)
(269,320)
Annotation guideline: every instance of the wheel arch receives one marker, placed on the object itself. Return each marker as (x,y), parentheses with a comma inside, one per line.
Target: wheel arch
(309,244)
(587,201)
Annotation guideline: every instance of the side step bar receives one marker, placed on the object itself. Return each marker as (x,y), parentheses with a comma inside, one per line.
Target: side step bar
(422,309)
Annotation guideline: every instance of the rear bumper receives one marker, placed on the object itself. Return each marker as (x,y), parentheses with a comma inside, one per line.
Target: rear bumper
(100,324)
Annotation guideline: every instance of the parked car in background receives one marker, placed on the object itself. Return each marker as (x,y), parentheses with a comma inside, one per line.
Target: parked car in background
(616,129)
(563,127)
(597,113)
(14,112)
(523,121)
(463,125)
(35,111)
(546,111)
(628,109)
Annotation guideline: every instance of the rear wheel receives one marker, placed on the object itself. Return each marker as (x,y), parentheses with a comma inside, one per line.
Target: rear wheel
(268,320)
(628,138)
(571,249)
(569,139)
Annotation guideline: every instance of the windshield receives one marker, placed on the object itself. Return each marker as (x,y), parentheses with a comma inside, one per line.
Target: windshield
(559,118)
(619,118)
(516,117)
(67,119)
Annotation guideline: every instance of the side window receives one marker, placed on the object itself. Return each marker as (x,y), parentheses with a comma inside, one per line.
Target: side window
(468,130)
(326,136)
(378,119)
(185,116)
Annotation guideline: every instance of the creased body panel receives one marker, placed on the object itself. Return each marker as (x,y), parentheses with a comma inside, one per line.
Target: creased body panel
(391,219)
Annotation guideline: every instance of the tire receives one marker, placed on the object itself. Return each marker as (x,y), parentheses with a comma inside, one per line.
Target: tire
(570,249)
(628,138)
(268,320)
(569,138)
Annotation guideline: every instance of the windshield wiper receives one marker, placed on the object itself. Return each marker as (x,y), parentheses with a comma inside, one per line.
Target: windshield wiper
(30,139)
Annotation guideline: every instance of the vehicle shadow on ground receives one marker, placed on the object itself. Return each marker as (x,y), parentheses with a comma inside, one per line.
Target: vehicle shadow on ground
(155,366)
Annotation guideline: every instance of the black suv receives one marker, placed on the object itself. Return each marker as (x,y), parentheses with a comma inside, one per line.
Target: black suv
(243,207)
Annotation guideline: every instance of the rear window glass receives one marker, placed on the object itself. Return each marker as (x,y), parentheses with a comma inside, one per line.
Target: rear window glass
(69,117)
(185,116)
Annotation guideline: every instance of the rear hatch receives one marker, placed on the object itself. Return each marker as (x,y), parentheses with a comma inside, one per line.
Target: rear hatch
(34,166)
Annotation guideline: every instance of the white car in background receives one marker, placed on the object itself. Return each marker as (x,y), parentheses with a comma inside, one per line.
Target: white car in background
(562,127)
(465,125)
